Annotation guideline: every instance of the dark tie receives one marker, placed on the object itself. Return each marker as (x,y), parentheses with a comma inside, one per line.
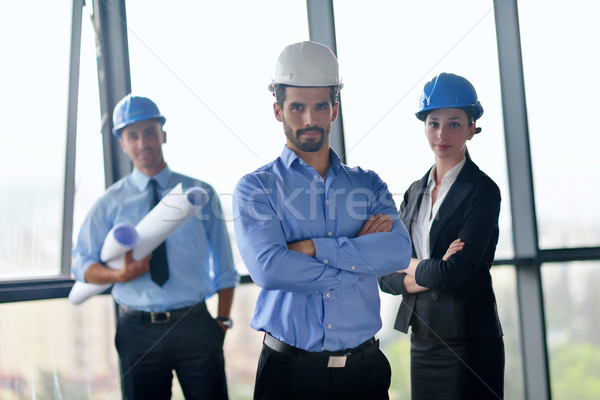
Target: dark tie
(159,266)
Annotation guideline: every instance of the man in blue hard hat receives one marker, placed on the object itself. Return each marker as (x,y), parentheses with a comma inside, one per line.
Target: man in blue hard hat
(164,325)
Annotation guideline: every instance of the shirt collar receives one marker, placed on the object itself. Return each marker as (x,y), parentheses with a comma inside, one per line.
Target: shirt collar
(288,156)
(141,180)
(450,176)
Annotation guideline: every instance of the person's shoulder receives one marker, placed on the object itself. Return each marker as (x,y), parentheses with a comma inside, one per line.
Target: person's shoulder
(358,172)
(483,180)
(266,173)
(117,189)
(188,182)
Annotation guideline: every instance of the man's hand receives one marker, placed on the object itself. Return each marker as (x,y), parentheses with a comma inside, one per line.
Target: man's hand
(377,223)
(304,246)
(133,269)
(454,248)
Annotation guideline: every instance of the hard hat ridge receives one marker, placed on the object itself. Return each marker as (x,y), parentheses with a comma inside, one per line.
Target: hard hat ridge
(131,109)
(307,64)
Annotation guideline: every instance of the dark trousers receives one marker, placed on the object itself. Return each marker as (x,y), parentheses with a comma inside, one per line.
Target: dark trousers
(305,375)
(457,369)
(191,345)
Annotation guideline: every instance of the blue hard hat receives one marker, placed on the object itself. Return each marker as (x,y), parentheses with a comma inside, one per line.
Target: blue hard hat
(448,91)
(133,109)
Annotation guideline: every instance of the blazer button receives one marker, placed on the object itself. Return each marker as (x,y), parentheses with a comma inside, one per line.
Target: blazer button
(434,296)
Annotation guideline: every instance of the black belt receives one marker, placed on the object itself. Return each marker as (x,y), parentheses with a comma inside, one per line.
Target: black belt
(161,317)
(332,356)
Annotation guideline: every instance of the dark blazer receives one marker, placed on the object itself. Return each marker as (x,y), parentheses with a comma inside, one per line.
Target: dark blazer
(461,301)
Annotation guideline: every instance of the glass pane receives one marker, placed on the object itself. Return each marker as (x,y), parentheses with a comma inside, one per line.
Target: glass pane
(53,350)
(34,82)
(560,72)
(505,288)
(571,302)
(212,85)
(89,170)
(385,65)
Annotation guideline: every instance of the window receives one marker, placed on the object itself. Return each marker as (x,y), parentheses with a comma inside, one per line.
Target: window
(572,320)
(34,84)
(560,71)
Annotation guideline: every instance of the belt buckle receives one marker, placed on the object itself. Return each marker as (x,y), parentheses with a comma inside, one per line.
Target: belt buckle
(160,317)
(337,361)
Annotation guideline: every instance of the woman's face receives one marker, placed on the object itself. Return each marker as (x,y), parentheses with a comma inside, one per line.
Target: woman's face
(447,130)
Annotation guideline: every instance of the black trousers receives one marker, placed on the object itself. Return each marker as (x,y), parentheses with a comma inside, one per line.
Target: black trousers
(305,375)
(191,345)
(457,369)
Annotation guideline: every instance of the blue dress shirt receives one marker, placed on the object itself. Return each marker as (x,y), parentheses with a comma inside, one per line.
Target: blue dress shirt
(199,251)
(330,301)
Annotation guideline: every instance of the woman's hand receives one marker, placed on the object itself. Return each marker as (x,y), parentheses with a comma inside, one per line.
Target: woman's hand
(454,248)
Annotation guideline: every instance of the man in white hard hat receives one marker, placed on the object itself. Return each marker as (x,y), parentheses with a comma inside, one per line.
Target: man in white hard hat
(164,324)
(315,234)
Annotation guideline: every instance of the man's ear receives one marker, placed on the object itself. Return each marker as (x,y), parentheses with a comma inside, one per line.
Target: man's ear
(164,137)
(334,111)
(122,145)
(278,112)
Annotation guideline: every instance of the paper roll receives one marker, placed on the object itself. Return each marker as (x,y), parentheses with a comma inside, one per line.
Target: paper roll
(121,238)
(169,214)
(172,211)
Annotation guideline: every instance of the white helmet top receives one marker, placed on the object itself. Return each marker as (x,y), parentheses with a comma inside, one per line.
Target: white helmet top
(307,64)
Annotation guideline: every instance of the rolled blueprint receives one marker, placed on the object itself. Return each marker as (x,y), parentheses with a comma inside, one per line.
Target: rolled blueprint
(172,211)
(121,238)
(169,214)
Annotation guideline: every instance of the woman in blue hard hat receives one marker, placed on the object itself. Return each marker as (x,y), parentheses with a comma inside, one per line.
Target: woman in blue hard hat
(457,350)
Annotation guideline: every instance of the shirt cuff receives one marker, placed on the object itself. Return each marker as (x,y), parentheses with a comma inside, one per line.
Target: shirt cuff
(80,274)
(326,251)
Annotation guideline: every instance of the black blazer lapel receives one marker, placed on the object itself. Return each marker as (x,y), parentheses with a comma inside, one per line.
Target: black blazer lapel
(411,211)
(458,192)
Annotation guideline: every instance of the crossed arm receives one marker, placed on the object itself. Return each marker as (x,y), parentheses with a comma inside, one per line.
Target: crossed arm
(376,224)
(409,282)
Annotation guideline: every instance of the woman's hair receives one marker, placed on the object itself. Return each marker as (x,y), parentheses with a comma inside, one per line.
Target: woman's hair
(470,111)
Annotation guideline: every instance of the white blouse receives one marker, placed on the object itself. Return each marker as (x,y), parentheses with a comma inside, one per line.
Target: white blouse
(428,212)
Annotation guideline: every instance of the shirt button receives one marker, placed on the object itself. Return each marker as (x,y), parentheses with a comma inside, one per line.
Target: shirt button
(434,296)
(325,261)
(328,295)
(316,176)
(327,202)
(329,326)
(353,267)
(330,233)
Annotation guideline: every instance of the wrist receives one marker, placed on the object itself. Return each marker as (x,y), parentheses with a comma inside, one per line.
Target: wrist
(226,321)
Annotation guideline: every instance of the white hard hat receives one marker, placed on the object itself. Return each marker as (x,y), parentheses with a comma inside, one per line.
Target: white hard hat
(307,64)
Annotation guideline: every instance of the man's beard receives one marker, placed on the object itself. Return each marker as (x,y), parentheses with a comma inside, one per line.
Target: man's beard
(310,146)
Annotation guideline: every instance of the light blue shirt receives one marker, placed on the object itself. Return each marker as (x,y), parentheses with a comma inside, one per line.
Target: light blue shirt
(199,251)
(330,301)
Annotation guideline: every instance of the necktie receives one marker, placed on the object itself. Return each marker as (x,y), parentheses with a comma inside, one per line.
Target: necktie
(159,266)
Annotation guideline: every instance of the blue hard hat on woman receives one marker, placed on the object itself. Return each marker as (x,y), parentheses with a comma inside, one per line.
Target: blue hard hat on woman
(449,91)
(134,109)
